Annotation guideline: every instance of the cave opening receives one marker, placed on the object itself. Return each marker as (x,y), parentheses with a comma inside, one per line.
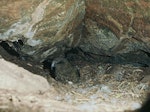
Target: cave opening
(75,59)
(9,49)
(77,68)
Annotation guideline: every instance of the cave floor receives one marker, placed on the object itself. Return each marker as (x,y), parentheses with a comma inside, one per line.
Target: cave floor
(95,92)
(101,88)
(124,89)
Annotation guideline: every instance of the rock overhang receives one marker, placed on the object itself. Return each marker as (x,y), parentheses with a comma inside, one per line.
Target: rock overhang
(49,28)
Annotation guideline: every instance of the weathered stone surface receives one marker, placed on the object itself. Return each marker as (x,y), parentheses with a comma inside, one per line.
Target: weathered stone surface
(41,24)
(118,29)
(16,78)
(122,17)
(128,18)
(47,28)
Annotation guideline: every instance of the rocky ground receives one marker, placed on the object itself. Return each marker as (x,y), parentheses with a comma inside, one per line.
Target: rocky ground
(101,88)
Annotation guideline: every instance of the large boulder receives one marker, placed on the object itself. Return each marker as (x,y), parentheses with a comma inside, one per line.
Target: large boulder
(46,29)
(18,79)
(41,25)
(118,29)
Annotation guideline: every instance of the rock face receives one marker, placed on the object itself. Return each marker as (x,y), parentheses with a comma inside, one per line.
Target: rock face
(41,25)
(16,78)
(117,30)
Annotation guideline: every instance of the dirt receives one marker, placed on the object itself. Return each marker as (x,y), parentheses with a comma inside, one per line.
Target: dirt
(101,88)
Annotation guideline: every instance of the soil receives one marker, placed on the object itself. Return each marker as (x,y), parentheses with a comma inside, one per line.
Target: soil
(101,88)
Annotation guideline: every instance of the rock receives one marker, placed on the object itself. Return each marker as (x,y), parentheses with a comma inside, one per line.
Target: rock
(117,30)
(16,78)
(41,25)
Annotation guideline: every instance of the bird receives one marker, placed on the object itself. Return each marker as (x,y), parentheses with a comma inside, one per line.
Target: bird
(56,61)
